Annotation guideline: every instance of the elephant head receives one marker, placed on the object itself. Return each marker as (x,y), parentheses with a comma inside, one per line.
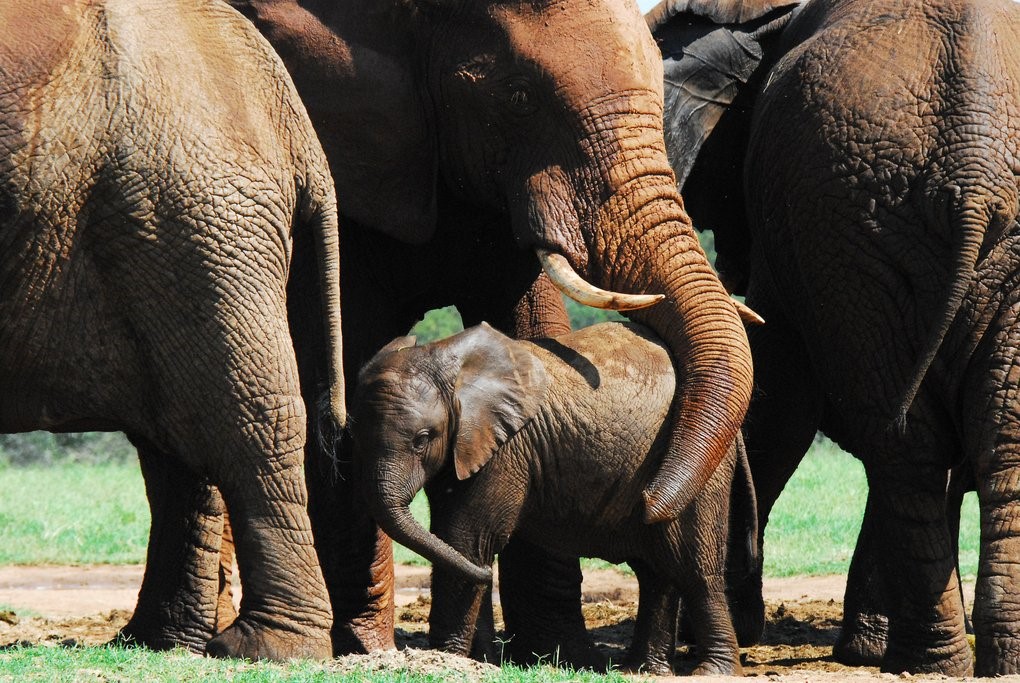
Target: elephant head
(451,404)
(548,117)
(716,54)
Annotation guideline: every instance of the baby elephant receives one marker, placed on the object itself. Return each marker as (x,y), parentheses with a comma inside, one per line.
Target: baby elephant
(552,441)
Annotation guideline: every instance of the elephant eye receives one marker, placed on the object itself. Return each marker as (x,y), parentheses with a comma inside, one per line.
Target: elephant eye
(520,97)
(421,440)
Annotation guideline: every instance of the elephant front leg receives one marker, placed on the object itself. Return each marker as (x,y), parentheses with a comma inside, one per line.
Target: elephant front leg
(456,605)
(355,555)
(926,626)
(177,600)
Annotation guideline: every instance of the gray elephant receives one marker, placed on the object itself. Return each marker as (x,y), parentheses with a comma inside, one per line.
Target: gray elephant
(858,162)
(464,138)
(551,441)
(157,173)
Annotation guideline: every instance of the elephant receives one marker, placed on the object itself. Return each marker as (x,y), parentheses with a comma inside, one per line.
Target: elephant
(465,139)
(154,193)
(553,441)
(858,163)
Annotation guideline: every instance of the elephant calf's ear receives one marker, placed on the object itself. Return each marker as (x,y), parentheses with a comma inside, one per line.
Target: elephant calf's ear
(500,387)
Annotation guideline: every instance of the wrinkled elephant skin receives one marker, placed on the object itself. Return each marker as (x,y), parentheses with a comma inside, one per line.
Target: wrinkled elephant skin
(872,160)
(152,190)
(509,437)
(463,137)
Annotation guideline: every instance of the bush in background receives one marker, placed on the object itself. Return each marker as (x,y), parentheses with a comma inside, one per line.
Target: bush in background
(45,449)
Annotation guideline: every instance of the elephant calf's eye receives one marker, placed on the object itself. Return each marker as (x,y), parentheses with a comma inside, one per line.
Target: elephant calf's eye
(520,97)
(421,440)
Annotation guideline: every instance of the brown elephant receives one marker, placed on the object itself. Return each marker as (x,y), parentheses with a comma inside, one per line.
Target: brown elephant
(462,138)
(153,189)
(552,441)
(869,152)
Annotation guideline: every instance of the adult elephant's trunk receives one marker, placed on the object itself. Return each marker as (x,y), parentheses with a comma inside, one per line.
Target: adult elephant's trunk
(644,243)
(395,518)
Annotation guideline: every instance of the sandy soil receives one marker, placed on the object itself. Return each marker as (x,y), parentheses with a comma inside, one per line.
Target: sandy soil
(86,605)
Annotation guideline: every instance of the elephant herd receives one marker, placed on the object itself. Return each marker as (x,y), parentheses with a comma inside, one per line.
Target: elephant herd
(181,216)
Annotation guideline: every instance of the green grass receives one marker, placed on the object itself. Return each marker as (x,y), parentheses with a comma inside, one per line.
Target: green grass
(813,527)
(81,514)
(73,514)
(110,664)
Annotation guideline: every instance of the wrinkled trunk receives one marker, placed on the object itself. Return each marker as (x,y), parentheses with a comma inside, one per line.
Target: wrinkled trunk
(393,514)
(643,242)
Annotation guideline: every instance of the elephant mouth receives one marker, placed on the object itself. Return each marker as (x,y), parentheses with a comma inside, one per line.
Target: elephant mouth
(566,279)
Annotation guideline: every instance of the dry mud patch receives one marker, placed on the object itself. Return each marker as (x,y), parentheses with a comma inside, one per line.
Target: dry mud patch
(68,606)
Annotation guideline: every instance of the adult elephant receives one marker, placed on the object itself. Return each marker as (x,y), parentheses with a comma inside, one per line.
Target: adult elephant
(152,192)
(858,161)
(463,137)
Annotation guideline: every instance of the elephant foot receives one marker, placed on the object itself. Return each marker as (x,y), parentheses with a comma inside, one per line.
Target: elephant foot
(997,656)
(719,665)
(363,635)
(953,659)
(647,666)
(162,637)
(862,640)
(248,639)
(747,610)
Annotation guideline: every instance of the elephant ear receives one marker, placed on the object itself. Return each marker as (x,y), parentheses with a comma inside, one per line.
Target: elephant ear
(358,77)
(710,51)
(500,386)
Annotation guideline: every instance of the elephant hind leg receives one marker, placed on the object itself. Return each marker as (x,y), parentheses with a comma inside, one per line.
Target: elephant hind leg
(997,594)
(176,602)
(926,629)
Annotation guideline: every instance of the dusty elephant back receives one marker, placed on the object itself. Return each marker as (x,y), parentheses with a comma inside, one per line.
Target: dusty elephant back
(149,151)
(908,123)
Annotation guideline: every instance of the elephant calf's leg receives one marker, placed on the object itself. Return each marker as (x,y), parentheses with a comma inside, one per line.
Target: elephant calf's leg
(541,599)
(654,642)
(177,600)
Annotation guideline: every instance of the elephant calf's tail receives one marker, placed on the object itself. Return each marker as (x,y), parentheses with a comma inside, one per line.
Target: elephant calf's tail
(971,220)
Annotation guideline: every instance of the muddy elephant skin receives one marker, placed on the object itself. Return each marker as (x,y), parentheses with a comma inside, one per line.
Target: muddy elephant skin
(463,137)
(152,190)
(512,437)
(876,231)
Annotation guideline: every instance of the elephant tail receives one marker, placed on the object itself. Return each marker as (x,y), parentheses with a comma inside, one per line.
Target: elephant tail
(973,217)
(319,210)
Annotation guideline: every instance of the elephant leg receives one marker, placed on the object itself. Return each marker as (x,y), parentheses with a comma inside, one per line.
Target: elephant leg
(781,424)
(540,594)
(483,646)
(926,632)
(453,615)
(543,618)
(865,630)
(225,610)
(997,594)
(654,642)
(356,558)
(961,480)
(177,600)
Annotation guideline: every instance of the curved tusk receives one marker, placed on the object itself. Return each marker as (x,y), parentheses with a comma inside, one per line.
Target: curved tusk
(747,314)
(574,286)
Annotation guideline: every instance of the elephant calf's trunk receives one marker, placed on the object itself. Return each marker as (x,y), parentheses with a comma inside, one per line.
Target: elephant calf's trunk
(405,529)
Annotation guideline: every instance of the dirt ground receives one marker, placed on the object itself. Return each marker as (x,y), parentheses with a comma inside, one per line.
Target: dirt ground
(86,605)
